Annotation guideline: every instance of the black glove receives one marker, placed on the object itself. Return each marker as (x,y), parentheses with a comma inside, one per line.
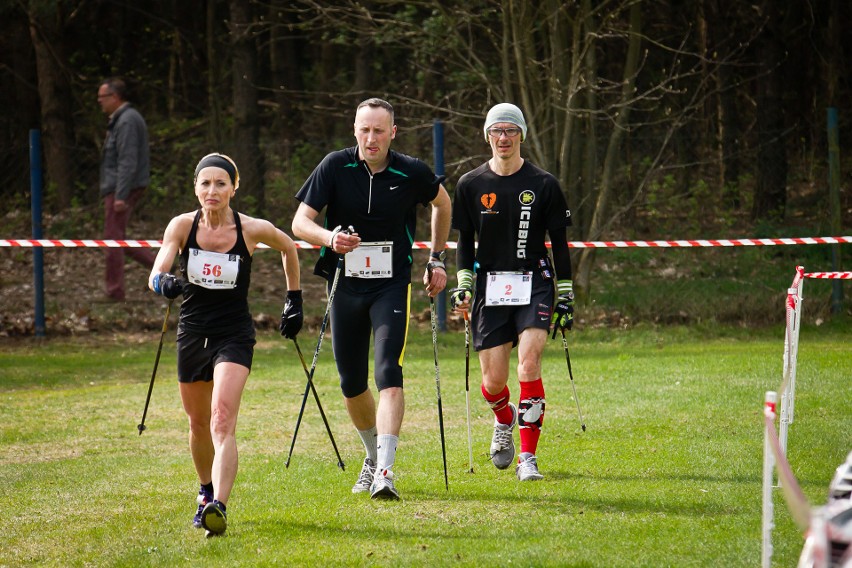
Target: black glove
(292,316)
(168,285)
(458,296)
(563,313)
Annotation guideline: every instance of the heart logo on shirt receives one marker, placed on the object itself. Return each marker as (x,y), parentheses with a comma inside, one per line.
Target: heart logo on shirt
(488,200)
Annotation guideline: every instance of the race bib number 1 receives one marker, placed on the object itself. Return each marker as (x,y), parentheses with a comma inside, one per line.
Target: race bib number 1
(213,270)
(508,288)
(371,260)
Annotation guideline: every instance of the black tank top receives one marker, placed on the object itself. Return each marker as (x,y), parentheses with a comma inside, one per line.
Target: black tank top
(217,312)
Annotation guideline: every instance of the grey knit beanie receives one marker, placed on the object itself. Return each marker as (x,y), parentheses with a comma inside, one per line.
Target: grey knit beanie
(505,112)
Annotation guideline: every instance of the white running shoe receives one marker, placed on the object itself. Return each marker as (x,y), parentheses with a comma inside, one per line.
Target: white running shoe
(527,468)
(502,443)
(382,487)
(365,478)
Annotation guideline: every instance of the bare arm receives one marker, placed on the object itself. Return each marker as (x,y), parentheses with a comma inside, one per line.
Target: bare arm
(442,211)
(262,231)
(305,227)
(174,239)
(441,217)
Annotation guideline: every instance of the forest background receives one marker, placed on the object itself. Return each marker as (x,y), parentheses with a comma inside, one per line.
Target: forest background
(662,119)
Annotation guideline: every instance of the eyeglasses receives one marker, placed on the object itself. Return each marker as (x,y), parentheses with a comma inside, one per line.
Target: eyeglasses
(510,132)
(105,95)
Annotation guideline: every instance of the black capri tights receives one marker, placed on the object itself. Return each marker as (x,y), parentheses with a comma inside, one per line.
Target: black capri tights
(354,316)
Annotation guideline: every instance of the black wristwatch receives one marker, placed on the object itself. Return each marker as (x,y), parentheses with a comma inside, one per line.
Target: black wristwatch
(436,260)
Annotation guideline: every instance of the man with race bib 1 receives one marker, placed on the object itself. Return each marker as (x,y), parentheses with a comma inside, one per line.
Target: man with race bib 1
(376,192)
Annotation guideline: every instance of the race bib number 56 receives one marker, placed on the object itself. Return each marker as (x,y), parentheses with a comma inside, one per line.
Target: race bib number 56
(213,270)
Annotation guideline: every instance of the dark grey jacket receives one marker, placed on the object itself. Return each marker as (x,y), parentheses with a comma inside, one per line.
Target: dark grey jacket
(125,160)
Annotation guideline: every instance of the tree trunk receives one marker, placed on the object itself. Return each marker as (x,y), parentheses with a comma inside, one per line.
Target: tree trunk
(246,137)
(215,126)
(770,192)
(326,70)
(589,155)
(174,58)
(284,68)
(55,94)
(572,142)
(722,25)
(611,160)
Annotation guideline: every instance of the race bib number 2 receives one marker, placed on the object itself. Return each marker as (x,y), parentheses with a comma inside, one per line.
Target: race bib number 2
(213,270)
(508,288)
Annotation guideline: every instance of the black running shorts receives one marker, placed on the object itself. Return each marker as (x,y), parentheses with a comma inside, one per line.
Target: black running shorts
(197,356)
(493,326)
(356,314)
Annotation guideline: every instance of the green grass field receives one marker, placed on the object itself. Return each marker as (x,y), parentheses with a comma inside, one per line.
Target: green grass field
(668,472)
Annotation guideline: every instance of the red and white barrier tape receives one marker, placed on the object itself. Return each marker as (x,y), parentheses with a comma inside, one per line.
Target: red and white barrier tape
(835,275)
(95,243)
(713,242)
(75,243)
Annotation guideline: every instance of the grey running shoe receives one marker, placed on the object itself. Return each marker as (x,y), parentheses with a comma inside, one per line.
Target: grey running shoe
(502,443)
(365,479)
(527,468)
(214,519)
(382,487)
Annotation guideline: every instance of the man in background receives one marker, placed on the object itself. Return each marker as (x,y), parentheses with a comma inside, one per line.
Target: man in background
(125,173)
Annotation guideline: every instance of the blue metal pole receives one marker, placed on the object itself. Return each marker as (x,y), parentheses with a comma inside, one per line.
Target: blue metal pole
(834,206)
(438,151)
(36,185)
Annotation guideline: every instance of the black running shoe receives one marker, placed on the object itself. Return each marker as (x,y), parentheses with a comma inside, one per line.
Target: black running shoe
(214,519)
(202,501)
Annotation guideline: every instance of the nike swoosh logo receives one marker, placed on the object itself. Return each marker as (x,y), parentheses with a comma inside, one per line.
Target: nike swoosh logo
(393,187)
(397,311)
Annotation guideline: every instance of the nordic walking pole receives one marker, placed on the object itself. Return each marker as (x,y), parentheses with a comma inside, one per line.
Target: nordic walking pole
(141,426)
(310,376)
(467,387)
(438,388)
(316,355)
(571,375)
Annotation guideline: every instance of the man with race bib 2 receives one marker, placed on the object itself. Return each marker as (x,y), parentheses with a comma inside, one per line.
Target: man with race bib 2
(507,205)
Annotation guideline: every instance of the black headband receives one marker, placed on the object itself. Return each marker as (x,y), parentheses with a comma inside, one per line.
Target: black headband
(217,161)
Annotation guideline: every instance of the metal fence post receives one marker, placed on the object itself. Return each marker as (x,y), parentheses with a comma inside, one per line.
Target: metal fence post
(438,151)
(834,206)
(36,185)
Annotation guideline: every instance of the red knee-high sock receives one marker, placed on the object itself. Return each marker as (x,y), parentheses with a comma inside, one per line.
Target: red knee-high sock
(499,403)
(531,414)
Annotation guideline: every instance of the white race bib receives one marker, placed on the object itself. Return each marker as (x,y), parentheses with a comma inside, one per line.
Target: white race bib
(508,288)
(370,260)
(213,270)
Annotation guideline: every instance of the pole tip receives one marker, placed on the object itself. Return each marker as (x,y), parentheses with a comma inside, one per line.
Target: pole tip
(141,428)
